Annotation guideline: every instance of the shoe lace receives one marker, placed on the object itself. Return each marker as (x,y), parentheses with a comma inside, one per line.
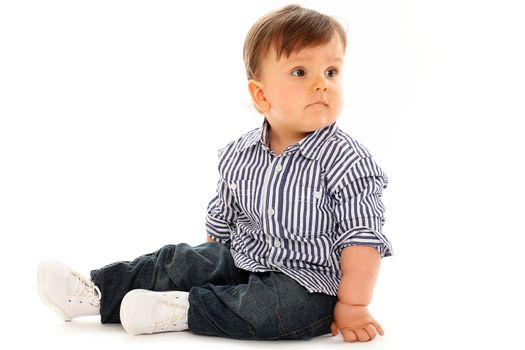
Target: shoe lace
(87,289)
(174,319)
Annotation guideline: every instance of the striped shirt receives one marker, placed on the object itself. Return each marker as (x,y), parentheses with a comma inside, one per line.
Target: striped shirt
(296,211)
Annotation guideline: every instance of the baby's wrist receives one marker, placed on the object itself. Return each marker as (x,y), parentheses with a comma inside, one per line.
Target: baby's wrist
(352,303)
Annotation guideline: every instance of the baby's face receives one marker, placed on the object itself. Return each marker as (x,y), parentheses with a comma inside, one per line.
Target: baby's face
(293,85)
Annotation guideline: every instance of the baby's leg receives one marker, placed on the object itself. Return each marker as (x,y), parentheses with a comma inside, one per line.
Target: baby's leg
(269,306)
(172,268)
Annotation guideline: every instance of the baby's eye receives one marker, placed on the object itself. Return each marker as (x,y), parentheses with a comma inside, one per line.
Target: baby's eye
(298,70)
(334,73)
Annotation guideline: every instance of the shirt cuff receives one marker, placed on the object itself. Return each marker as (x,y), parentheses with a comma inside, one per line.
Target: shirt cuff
(364,236)
(217,229)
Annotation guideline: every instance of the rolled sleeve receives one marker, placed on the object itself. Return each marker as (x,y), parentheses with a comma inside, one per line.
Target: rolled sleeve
(221,217)
(359,211)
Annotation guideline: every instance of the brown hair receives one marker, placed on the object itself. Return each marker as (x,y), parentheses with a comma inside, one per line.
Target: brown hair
(288,29)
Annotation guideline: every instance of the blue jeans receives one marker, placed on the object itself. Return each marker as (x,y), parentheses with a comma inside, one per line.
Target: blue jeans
(225,301)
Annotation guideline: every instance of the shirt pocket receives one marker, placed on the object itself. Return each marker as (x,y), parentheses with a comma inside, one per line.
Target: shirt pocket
(308,194)
(311,212)
(243,191)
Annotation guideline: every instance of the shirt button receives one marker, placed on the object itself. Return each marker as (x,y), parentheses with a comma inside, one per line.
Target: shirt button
(279,264)
(233,186)
(277,244)
(317,194)
(279,167)
(271,211)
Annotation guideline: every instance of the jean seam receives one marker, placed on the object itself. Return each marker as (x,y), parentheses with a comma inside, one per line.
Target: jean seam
(278,307)
(298,331)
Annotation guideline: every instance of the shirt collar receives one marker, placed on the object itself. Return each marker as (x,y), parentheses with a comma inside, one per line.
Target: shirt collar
(309,146)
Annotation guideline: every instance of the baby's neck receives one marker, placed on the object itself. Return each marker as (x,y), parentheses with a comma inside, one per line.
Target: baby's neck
(278,142)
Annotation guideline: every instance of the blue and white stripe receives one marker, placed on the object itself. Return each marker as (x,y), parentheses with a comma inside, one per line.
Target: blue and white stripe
(296,211)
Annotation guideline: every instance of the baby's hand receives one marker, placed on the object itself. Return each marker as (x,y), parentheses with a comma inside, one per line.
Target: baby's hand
(355,323)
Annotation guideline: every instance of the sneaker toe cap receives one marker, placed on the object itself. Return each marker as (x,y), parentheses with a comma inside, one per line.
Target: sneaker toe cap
(136,313)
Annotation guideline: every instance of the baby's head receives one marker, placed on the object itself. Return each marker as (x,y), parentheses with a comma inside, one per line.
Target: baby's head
(294,58)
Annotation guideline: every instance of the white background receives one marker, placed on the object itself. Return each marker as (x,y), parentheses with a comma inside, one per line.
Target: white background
(112,112)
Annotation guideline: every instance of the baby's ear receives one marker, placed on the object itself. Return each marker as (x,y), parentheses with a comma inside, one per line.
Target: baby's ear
(256,89)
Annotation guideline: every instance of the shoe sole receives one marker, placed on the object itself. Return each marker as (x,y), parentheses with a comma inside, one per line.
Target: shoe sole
(45,298)
(124,310)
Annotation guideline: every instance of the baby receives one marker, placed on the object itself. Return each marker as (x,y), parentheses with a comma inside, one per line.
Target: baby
(294,231)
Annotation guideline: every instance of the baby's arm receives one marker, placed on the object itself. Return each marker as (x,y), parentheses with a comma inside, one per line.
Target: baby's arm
(360,268)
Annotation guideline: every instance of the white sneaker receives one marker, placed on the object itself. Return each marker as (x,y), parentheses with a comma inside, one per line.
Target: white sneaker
(67,292)
(146,312)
